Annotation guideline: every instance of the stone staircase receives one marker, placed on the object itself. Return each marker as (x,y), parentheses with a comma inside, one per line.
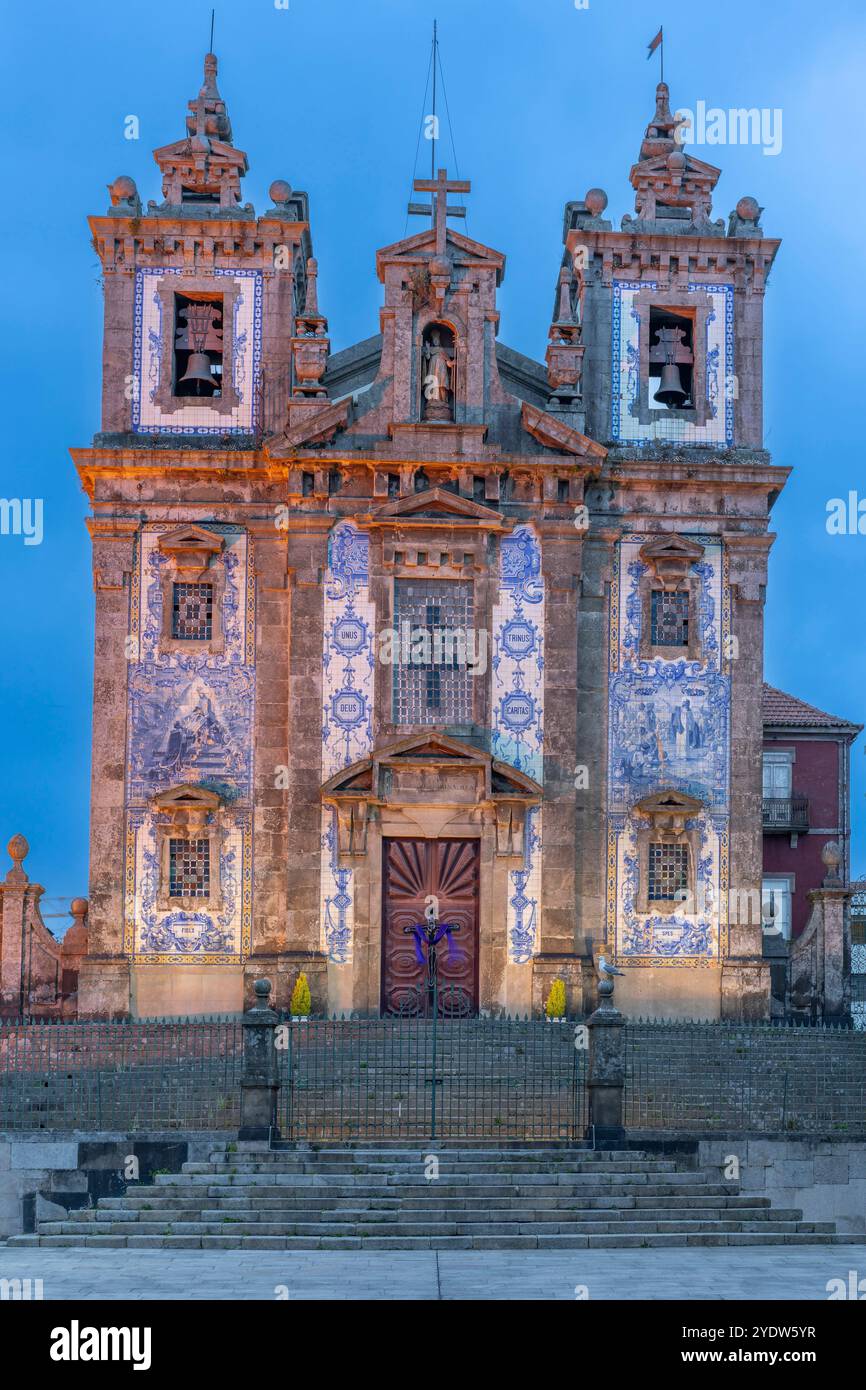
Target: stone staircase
(381,1198)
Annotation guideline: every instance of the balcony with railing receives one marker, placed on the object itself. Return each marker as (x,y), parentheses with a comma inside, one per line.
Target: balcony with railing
(785,815)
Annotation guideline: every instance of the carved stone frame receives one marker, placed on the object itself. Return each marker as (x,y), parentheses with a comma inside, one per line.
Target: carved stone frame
(192,814)
(669,560)
(696,304)
(662,819)
(222,287)
(195,558)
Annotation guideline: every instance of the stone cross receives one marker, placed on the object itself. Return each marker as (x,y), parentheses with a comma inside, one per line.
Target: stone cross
(439,209)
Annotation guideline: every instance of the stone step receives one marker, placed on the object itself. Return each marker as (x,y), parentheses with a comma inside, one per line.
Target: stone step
(418,1165)
(325,1200)
(544,1242)
(427,1228)
(639,1177)
(93,1216)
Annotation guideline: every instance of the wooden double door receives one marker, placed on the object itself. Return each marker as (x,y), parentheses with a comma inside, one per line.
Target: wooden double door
(413,870)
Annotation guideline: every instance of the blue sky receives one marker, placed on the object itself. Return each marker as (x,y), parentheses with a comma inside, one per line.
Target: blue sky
(546,101)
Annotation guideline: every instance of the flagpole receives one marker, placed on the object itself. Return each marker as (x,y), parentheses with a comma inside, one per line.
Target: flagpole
(662,53)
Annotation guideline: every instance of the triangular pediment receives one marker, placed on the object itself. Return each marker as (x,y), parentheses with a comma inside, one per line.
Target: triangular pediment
(658,166)
(189,150)
(669,803)
(187,797)
(421,244)
(434,503)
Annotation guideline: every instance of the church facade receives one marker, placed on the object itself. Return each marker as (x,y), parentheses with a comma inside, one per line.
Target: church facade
(426,619)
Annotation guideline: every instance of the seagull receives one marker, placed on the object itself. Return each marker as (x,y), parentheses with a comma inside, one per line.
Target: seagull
(605,969)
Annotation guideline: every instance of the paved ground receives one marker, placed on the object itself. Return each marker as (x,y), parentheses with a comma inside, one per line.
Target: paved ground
(759,1272)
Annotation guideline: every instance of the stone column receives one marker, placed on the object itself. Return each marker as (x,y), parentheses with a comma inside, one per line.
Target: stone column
(260,1083)
(13,902)
(745,991)
(606,1075)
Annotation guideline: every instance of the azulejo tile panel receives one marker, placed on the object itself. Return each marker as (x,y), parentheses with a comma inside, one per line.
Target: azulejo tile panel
(518,713)
(348,669)
(149,354)
(625,371)
(190,719)
(668,729)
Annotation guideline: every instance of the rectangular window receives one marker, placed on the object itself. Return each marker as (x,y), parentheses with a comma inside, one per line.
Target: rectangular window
(432,683)
(776,906)
(668,872)
(189,868)
(198,345)
(777,776)
(669,619)
(192,612)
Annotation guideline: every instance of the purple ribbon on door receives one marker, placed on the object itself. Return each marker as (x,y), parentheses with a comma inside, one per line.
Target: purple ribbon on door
(422,939)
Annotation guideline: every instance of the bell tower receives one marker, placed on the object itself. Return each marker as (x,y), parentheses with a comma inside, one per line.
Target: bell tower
(202,299)
(665,317)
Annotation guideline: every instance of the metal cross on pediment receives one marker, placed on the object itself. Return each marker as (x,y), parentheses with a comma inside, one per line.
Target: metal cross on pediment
(438,209)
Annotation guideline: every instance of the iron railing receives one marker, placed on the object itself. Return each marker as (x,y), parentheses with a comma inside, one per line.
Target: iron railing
(725,1076)
(182,1074)
(785,813)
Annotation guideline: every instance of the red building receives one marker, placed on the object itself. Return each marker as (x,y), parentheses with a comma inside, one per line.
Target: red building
(806,804)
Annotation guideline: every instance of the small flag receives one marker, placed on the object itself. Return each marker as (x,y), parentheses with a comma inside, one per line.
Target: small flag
(651,47)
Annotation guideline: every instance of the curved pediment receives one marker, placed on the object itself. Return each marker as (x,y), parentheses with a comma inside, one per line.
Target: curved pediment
(432,750)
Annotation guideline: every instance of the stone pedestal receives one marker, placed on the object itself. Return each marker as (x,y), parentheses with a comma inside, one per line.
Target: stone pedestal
(260,1083)
(606,1072)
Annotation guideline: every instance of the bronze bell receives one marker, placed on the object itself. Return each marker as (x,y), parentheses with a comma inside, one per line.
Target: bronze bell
(670,391)
(198,369)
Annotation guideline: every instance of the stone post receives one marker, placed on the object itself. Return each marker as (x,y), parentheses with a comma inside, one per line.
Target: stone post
(261,1082)
(606,1074)
(13,918)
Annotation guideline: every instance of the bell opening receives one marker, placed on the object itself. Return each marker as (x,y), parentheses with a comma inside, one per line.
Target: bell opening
(671,360)
(198,346)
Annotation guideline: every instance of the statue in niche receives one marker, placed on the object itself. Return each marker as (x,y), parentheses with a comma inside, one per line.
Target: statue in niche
(437,373)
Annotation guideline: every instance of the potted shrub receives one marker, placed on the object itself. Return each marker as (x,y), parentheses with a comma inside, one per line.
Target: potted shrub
(555,1006)
(300,1004)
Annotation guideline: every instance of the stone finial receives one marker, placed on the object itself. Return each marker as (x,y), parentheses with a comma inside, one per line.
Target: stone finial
(311,302)
(208,118)
(280,192)
(78,909)
(18,850)
(203,170)
(124,196)
(595,202)
(745,220)
(673,189)
(831,857)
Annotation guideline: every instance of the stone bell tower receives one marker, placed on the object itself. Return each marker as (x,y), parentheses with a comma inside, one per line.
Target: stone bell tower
(201,303)
(669,313)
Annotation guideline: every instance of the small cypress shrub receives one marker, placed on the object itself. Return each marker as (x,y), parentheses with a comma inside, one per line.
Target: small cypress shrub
(300,1005)
(555,1006)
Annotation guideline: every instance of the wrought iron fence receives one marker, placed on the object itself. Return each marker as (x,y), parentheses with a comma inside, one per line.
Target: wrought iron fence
(432,1074)
(182,1074)
(766,1078)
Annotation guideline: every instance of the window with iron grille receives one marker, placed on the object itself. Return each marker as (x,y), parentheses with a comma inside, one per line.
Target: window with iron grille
(668,872)
(437,690)
(192,612)
(189,868)
(669,619)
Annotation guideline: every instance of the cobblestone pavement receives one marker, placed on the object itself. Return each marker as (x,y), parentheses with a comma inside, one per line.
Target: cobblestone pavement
(759,1272)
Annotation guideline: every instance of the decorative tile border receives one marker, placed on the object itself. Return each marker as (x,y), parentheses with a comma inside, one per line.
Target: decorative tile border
(625,357)
(148,329)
